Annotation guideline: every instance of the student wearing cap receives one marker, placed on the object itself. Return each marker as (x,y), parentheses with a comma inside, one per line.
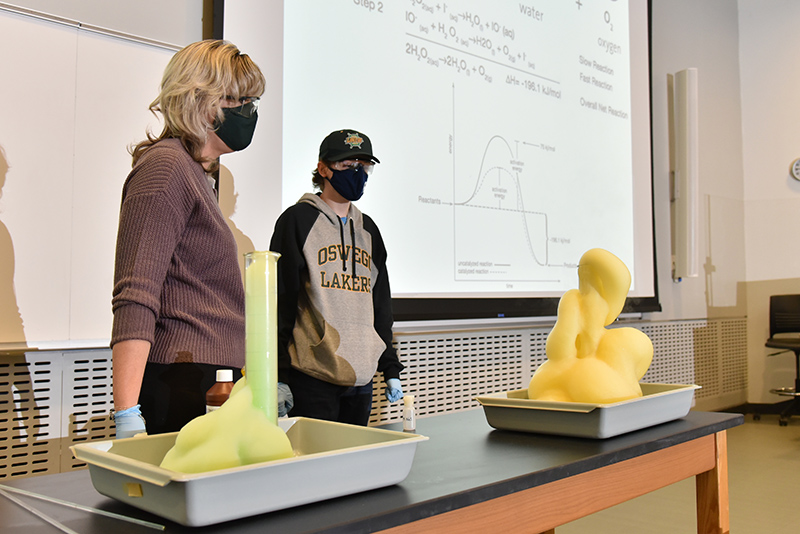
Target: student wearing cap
(334,301)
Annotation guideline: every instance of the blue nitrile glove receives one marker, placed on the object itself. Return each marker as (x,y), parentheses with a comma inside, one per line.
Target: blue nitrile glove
(394,391)
(285,399)
(129,422)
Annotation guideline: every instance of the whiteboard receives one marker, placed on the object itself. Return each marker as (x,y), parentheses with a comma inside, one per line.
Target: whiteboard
(74,100)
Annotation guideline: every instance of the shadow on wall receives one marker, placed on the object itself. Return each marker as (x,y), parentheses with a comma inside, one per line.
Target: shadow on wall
(29,400)
(227,203)
(723,265)
(11,327)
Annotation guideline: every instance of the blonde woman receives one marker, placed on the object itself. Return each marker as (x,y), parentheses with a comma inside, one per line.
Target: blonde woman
(178,299)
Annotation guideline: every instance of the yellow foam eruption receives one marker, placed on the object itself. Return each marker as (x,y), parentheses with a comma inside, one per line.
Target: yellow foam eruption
(587,362)
(236,434)
(244,429)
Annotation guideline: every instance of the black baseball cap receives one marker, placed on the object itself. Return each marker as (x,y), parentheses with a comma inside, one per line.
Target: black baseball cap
(346,144)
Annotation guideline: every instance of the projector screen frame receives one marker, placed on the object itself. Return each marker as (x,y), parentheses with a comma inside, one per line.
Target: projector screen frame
(439,308)
(444,309)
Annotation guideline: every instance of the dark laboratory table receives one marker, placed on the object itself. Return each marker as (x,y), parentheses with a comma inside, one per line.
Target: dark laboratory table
(468,477)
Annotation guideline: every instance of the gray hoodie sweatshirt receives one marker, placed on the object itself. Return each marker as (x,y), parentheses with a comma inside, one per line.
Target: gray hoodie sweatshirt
(334,300)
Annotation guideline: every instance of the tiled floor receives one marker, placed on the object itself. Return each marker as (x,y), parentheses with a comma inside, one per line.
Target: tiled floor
(764,485)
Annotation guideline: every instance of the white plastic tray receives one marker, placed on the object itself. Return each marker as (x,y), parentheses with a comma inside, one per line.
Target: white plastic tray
(512,410)
(128,470)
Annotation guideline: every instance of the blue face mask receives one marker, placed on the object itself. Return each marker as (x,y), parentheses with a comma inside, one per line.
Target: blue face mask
(349,183)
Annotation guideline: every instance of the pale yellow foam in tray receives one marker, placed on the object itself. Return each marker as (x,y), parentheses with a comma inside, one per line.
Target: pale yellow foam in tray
(518,398)
(512,410)
(129,471)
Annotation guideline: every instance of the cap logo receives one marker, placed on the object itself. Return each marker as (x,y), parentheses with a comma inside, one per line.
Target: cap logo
(353,140)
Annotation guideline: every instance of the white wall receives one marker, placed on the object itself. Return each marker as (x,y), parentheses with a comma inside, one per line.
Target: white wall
(769,53)
(770,82)
(177,22)
(63,165)
(258,203)
(747,56)
(687,33)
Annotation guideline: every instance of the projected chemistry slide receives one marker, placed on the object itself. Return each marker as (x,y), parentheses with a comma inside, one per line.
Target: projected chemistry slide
(504,132)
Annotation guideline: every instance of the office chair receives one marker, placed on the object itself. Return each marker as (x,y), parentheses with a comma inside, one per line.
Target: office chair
(784,333)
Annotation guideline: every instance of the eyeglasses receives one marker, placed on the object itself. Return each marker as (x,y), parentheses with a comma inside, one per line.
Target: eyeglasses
(348,164)
(248,106)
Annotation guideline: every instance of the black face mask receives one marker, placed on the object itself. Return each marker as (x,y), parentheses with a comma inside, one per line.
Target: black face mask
(349,183)
(236,131)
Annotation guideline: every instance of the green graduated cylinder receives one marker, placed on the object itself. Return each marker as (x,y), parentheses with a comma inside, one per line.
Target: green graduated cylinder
(261,330)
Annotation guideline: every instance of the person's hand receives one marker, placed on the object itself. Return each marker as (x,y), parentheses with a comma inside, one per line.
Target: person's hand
(129,422)
(285,399)
(394,391)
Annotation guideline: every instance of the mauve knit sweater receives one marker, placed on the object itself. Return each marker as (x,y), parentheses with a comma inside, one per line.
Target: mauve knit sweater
(176,282)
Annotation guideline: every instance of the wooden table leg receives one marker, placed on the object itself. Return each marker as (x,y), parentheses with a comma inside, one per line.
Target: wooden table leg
(713,514)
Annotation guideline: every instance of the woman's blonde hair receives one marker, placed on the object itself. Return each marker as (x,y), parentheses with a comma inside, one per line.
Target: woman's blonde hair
(195,80)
